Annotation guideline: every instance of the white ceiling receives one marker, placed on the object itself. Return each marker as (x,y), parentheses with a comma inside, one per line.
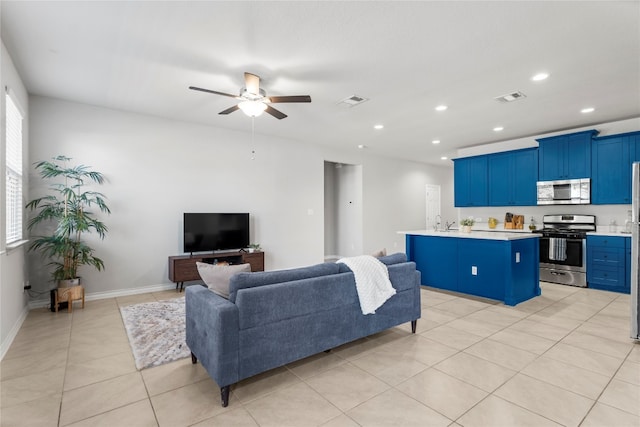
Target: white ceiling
(407,57)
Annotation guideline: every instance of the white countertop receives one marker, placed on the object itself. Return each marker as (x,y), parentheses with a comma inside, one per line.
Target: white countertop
(486,235)
(609,233)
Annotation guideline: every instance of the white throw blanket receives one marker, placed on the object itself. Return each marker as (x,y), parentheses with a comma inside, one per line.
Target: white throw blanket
(372,281)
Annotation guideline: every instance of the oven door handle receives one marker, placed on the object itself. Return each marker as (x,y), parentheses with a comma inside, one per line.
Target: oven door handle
(578,240)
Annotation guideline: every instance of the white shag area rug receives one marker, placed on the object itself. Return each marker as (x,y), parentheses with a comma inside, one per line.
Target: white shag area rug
(156,331)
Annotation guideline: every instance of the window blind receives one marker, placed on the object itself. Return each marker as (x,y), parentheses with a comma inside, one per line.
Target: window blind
(14,171)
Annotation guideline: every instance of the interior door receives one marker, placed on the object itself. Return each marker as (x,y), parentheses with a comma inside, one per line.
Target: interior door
(433,206)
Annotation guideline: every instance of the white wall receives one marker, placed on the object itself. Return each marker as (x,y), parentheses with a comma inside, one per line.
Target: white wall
(394,195)
(13,298)
(157,169)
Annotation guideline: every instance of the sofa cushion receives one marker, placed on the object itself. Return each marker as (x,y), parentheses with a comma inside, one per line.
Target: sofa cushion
(217,277)
(277,302)
(261,278)
(403,276)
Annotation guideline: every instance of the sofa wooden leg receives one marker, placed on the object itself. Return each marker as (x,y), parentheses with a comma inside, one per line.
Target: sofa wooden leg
(194,359)
(224,393)
(414,324)
(328,351)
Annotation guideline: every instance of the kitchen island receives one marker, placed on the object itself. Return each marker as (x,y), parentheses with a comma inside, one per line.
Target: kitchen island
(491,264)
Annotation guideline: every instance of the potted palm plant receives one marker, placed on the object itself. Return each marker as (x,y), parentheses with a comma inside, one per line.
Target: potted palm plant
(67,210)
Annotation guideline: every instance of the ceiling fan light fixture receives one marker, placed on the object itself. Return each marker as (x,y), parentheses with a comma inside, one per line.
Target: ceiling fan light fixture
(252,108)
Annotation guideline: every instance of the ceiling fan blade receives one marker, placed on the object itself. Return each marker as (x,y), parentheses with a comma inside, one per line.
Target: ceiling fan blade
(294,98)
(229,110)
(252,83)
(275,113)
(214,92)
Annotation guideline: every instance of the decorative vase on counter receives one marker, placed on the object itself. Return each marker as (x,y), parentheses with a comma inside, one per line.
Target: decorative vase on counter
(466,224)
(493,222)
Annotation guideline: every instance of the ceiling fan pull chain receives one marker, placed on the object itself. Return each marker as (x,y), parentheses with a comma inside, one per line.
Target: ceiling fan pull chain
(253,147)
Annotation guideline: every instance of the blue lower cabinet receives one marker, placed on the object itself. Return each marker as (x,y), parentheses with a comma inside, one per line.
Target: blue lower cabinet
(609,263)
(504,270)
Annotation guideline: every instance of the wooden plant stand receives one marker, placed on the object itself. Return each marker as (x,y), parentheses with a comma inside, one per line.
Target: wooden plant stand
(70,294)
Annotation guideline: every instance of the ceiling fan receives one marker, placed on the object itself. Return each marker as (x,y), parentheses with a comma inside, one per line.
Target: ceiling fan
(254,100)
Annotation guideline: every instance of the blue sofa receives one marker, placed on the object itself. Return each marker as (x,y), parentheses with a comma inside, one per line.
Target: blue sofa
(277,317)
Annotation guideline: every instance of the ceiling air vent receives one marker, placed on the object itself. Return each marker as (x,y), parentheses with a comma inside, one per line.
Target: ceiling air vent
(510,97)
(353,100)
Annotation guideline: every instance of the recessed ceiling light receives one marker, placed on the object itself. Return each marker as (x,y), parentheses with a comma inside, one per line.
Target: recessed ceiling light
(443,158)
(362,146)
(587,110)
(539,77)
(498,129)
(378,127)
(441,107)
(435,141)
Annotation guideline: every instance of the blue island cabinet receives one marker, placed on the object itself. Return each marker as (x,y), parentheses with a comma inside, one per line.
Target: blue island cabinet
(500,269)
(442,251)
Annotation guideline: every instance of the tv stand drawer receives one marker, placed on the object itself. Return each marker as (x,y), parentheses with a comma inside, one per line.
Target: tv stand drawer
(182,268)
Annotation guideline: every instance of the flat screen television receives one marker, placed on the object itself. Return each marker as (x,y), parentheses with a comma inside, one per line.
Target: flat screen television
(215,231)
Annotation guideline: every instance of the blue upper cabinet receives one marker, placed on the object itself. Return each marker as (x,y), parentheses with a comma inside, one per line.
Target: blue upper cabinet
(612,157)
(512,178)
(634,146)
(565,156)
(470,181)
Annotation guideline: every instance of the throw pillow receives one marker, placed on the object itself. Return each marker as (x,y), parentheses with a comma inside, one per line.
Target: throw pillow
(378,254)
(216,277)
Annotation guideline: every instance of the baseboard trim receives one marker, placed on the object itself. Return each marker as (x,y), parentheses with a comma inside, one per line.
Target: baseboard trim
(39,303)
(6,344)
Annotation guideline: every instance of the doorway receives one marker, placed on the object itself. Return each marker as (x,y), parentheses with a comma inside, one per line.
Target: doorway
(342,210)
(434,217)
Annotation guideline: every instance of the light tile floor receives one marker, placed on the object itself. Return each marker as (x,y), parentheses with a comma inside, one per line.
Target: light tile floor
(563,358)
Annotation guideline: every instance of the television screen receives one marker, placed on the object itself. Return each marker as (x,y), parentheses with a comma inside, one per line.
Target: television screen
(215,231)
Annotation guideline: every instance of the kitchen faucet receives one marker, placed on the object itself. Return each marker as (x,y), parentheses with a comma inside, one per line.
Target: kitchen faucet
(447,225)
(436,227)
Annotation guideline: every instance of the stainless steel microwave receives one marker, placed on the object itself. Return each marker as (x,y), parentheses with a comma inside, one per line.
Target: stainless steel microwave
(565,192)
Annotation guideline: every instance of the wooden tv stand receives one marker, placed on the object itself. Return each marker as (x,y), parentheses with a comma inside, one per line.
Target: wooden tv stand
(182,268)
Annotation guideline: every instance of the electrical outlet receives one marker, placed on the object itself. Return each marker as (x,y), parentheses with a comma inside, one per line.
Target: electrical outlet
(474,270)
(517,257)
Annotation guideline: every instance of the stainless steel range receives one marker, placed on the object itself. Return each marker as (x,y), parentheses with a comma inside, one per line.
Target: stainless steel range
(563,248)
